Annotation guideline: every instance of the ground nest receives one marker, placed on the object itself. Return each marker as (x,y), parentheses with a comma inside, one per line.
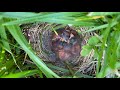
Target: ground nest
(60,45)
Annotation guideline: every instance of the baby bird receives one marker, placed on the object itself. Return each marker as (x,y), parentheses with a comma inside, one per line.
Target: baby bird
(65,53)
(66,44)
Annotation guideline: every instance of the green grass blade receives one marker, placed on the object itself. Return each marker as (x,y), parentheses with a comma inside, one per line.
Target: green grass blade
(21,74)
(65,21)
(108,52)
(44,18)
(102,13)
(100,27)
(17,14)
(4,36)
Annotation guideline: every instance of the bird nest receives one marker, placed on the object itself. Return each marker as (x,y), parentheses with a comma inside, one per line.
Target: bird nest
(61,45)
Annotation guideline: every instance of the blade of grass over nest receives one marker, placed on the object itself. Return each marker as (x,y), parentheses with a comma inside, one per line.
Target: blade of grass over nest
(100,27)
(115,22)
(87,18)
(39,17)
(18,14)
(18,36)
(65,21)
(21,74)
(102,13)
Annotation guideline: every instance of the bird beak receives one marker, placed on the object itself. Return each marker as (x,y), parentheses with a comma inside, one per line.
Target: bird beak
(71,35)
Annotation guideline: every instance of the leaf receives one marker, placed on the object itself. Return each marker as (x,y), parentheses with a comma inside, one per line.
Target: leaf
(93,41)
(86,50)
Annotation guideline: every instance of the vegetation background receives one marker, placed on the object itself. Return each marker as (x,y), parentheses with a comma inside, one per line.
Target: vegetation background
(14,46)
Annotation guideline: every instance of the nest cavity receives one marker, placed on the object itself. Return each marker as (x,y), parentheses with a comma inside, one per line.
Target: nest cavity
(46,39)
